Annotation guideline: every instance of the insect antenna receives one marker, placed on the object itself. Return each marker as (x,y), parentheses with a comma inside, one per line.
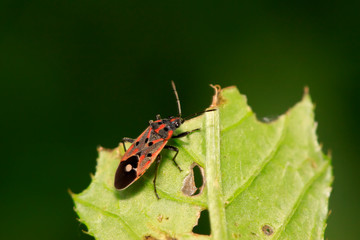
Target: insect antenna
(177,97)
(198,113)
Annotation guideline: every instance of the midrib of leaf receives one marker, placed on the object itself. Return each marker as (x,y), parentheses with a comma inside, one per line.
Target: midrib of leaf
(300,198)
(213,176)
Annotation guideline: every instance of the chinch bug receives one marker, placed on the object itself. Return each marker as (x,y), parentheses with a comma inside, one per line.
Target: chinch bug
(145,149)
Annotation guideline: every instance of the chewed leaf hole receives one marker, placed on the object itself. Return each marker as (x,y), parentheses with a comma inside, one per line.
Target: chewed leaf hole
(194,182)
(198,178)
(203,226)
(267,230)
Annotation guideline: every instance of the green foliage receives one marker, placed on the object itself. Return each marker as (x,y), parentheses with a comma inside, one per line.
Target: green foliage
(263,181)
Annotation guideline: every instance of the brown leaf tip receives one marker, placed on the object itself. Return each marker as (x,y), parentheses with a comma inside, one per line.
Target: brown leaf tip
(306,90)
(216,97)
(101,148)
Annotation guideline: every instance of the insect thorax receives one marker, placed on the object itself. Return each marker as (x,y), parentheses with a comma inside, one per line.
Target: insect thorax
(166,126)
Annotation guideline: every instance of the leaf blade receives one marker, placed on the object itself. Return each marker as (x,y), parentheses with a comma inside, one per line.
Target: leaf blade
(263,181)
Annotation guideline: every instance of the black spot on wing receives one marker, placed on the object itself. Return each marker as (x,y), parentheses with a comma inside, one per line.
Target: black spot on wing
(143,139)
(123,178)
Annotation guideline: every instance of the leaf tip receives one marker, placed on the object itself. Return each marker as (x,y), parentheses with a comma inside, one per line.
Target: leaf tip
(92,176)
(102,149)
(71,193)
(306,90)
(329,153)
(99,148)
(87,232)
(306,96)
(329,213)
(216,97)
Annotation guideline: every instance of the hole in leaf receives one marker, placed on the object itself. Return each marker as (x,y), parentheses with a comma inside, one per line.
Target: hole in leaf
(194,182)
(203,226)
(198,178)
(149,237)
(267,230)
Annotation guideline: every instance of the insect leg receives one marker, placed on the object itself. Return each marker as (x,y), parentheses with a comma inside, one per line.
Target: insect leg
(172,148)
(126,139)
(158,158)
(183,134)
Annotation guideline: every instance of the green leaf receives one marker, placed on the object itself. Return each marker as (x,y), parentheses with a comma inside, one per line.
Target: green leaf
(262,181)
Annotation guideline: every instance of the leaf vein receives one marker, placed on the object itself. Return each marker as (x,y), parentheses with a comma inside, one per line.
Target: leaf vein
(175,199)
(239,122)
(110,214)
(300,198)
(192,155)
(268,158)
(164,194)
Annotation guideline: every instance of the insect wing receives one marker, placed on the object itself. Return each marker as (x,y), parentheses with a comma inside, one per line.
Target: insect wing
(126,172)
(138,158)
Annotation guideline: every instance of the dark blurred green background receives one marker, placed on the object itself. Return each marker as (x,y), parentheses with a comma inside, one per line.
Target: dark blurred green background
(78,74)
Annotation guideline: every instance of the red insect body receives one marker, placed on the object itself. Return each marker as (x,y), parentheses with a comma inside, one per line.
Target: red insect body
(146,148)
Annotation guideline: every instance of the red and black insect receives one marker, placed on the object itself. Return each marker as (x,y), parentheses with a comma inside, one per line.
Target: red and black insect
(145,149)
